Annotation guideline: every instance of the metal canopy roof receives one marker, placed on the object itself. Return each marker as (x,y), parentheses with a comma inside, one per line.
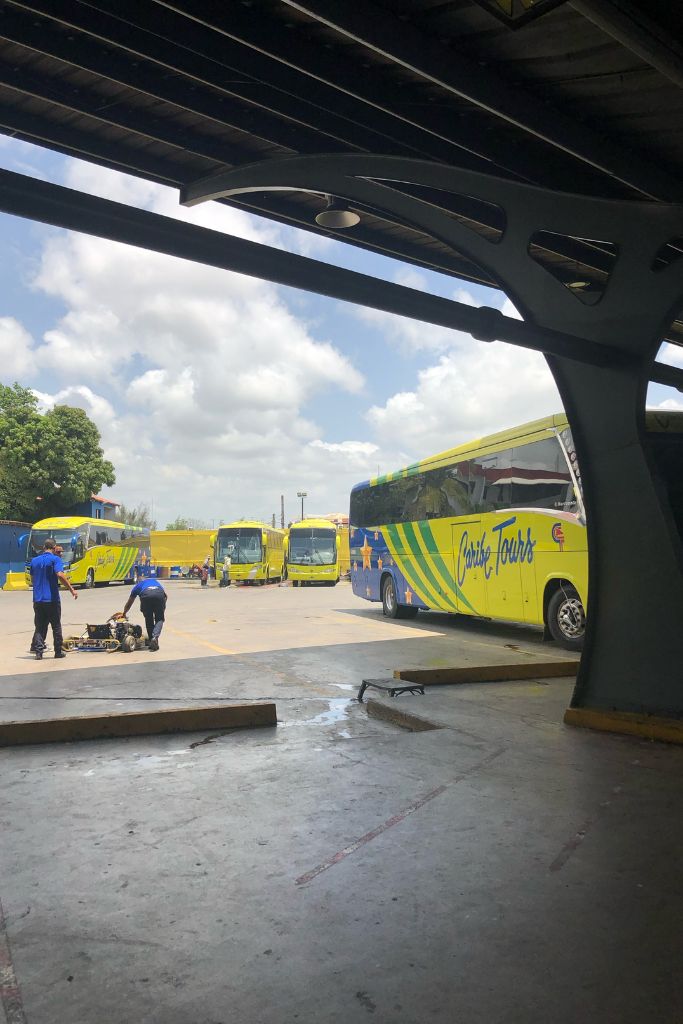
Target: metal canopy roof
(583,96)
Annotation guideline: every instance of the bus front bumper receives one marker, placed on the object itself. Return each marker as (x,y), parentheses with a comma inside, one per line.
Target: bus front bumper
(312,574)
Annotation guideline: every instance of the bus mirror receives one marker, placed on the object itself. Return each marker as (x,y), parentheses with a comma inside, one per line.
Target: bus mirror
(212,540)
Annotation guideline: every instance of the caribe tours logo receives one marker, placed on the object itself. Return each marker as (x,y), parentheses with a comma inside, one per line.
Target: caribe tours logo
(476,553)
(558,535)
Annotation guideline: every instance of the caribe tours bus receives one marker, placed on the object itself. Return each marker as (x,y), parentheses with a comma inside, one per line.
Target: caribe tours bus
(95,550)
(313,548)
(493,528)
(257,551)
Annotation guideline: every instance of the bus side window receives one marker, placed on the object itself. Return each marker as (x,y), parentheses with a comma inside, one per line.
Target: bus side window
(492,474)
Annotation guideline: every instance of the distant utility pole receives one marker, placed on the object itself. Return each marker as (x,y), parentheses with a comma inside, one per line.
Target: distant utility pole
(302,495)
(273,521)
(282,511)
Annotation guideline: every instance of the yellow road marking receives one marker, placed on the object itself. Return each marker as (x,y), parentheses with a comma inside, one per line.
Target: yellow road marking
(202,643)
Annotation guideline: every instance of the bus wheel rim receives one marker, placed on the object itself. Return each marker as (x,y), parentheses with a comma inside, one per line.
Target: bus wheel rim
(571,618)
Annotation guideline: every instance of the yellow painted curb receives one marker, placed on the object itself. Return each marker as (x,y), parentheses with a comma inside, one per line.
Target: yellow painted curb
(15,581)
(487,673)
(667,730)
(137,723)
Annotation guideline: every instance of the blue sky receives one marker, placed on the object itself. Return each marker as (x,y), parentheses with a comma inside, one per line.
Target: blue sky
(215,393)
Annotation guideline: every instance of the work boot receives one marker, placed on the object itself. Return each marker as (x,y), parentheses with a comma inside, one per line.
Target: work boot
(38,654)
(60,654)
(153,645)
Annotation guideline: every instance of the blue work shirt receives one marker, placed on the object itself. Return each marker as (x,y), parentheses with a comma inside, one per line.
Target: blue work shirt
(148,587)
(44,569)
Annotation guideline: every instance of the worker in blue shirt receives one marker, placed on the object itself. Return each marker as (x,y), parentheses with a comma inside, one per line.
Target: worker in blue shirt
(152,605)
(46,571)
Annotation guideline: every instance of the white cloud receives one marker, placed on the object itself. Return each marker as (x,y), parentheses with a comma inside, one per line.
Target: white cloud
(473,389)
(478,389)
(666,404)
(196,377)
(17,357)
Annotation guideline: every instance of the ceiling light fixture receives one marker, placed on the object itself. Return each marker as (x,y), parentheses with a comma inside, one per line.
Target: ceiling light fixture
(336,215)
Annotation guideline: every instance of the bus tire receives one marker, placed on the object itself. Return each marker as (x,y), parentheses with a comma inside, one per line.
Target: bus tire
(567,618)
(389,599)
(89,579)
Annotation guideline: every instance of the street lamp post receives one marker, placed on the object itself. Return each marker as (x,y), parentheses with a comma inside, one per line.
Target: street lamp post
(302,495)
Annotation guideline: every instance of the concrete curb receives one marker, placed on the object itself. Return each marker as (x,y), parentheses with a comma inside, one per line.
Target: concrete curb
(137,723)
(397,716)
(488,673)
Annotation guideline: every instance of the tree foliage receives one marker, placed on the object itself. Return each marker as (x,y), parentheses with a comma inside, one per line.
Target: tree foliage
(50,462)
(185,523)
(137,515)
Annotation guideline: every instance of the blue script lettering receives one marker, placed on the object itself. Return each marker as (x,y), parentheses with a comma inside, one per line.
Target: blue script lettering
(471,556)
(513,549)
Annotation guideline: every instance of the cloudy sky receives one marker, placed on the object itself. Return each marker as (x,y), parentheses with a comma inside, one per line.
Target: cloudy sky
(216,393)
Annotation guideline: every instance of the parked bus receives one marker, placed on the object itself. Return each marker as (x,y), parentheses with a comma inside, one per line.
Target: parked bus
(313,552)
(494,528)
(183,548)
(96,551)
(344,552)
(257,551)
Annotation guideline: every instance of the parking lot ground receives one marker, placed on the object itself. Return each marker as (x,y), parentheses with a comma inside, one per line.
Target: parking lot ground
(500,869)
(295,646)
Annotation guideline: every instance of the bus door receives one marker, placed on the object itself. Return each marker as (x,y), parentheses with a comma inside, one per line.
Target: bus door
(511,592)
(471,564)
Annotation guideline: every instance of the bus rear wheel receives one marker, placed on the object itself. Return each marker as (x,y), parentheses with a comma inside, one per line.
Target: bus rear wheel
(90,579)
(567,618)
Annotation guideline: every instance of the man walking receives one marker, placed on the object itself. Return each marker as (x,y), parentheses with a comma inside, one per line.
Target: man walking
(152,605)
(47,571)
(225,574)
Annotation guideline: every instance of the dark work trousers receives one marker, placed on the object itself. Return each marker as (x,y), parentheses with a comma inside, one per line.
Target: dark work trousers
(47,613)
(153,609)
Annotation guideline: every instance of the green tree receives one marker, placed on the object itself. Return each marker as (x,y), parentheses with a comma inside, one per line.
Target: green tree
(137,515)
(50,462)
(183,523)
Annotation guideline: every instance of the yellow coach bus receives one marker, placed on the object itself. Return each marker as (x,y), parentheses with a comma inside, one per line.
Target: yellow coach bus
(495,528)
(313,548)
(96,551)
(257,551)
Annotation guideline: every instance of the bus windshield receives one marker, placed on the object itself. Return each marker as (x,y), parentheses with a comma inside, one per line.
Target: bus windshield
(243,544)
(312,547)
(73,541)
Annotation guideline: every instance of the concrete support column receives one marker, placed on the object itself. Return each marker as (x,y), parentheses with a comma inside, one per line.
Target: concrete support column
(633,655)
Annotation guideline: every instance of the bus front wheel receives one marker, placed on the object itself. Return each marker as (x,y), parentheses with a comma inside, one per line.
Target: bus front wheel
(567,618)
(90,579)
